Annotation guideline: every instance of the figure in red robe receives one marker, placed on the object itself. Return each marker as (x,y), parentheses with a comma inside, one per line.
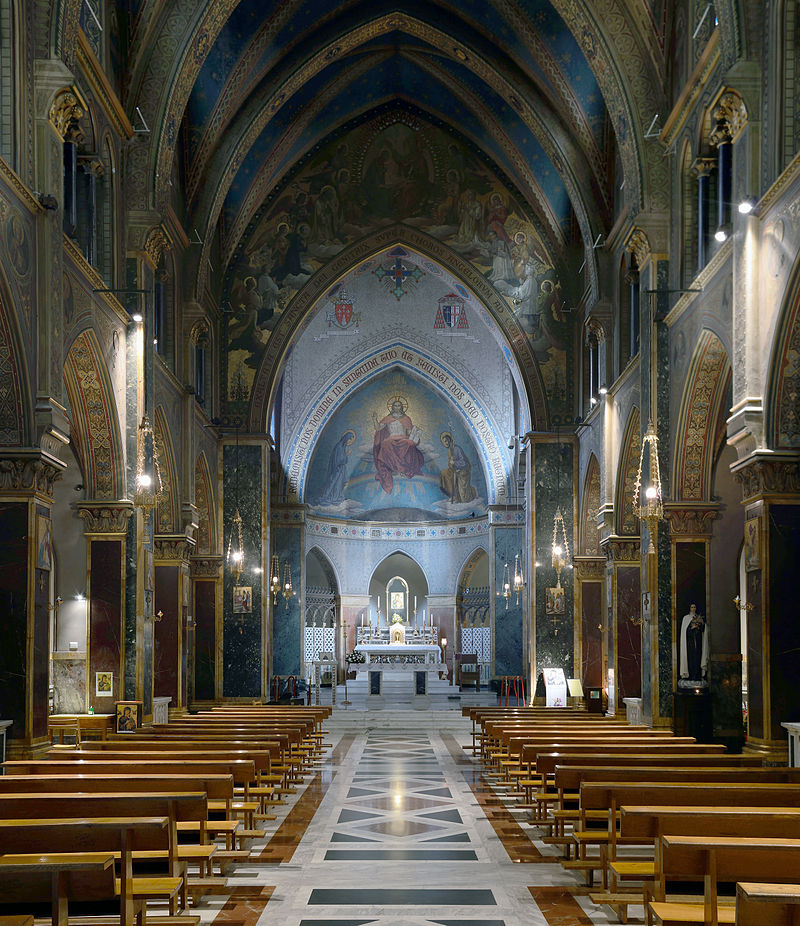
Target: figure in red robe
(395,449)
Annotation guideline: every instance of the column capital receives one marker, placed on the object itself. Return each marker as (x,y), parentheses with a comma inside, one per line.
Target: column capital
(621,549)
(731,115)
(29,471)
(66,112)
(690,519)
(702,167)
(206,567)
(103,517)
(172,547)
(775,473)
(589,567)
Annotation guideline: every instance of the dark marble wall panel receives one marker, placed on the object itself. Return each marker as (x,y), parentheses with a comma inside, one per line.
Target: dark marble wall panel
(784,593)
(553,488)
(105,613)
(128,689)
(165,631)
(725,682)
(286,621)
(14,605)
(243,647)
(756,722)
(41,653)
(629,636)
(592,649)
(204,639)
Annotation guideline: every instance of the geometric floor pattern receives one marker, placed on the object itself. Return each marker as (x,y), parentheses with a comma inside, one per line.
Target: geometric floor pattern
(400,829)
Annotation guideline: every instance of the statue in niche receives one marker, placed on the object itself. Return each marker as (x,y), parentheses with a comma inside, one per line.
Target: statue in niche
(693,651)
(395,448)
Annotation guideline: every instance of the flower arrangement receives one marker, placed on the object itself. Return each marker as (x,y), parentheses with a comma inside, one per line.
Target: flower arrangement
(355,658)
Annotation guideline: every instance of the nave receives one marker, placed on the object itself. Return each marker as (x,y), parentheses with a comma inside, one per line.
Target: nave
(398,825)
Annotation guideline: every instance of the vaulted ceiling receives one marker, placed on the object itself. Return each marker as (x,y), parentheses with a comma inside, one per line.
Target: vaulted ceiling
(552,93)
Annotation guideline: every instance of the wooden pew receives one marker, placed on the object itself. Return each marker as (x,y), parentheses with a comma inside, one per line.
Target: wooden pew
(760,903)
(118,834)
(218,789)
(646,825)
(610,796)
(26,878)
(709,860)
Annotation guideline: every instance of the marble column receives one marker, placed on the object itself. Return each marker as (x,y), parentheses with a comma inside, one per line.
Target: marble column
(287,529)
(354,608)
(26,562)
(590,574)
(172,630)
(701,169)
(206,680)
(442,611)
(623,617)
(109,648)
(771,497)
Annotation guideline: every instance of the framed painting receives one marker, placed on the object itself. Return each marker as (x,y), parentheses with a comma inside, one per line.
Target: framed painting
(242,599)
(752,544)
(554,602)
(104,684)
(127,716)
(44,545)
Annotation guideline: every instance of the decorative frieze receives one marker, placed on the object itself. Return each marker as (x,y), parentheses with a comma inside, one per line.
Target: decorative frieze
(104,518)
(30,473)
(206,567)
(621,549)
(773,475)
(690,520)
(589,567)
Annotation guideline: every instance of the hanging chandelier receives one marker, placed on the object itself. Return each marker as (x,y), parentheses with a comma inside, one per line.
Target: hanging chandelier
(560,545)
(505,591)
(519,578)
(288,591)
(148,484)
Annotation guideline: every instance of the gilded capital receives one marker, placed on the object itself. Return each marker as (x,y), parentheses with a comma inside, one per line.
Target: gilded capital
(156,243)
(65,115)
(731,116)
(639,245)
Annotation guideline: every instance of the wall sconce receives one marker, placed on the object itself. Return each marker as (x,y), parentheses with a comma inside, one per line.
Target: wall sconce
(275,585)
(652,511)
(159,616)
(740,606)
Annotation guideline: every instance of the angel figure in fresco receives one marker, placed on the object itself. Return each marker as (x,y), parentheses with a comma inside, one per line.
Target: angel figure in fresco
(395,448)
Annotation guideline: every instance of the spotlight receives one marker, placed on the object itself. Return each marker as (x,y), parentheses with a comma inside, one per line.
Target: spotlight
(137,317)
(721,234)
(746,206)
(604,390)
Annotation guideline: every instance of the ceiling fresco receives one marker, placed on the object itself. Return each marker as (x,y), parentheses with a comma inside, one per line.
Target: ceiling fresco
(393,166)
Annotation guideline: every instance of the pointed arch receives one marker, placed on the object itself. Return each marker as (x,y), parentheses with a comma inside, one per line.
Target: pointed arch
(704,393)
(267,375)
(783,388)
(627,522)
(589,537)
(95,420)
(203,501)
(13,384)
(168,505)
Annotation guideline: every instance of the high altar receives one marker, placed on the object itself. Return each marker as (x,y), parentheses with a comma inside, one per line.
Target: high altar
(393,649)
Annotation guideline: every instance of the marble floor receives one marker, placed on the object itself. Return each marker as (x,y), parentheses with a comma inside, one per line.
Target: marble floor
(397,827)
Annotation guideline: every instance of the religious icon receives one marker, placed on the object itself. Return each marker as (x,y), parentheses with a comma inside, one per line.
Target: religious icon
(554,602)
(127,716)
(149,583)
(752,545)
(397,601)
(44,557)
(242,599)
(103,684)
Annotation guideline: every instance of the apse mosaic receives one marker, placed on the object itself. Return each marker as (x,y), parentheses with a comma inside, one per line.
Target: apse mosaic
(395,449)
(394,167)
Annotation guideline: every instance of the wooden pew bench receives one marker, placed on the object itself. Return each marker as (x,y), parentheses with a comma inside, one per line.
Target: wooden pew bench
(118,836)
(646,825)
(711,860)
(610,796)
(760,903)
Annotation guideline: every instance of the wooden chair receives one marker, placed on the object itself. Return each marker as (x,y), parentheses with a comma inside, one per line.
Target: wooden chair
(468,671)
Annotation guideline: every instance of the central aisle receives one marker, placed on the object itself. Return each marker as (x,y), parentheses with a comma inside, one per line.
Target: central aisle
(398,828)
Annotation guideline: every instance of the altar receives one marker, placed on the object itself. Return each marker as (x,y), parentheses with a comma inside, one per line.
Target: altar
(402,657)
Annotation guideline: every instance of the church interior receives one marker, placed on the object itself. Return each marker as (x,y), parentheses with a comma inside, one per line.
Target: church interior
(397,360)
